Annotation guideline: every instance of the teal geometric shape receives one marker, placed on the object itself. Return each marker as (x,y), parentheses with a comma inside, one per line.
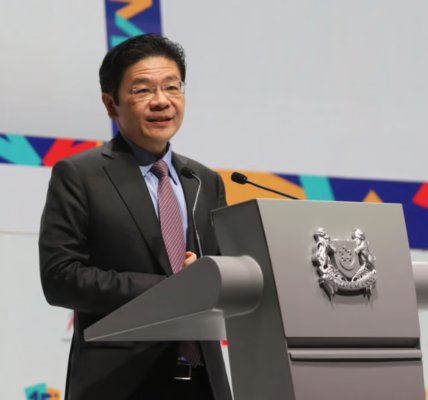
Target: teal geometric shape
(36,392)
(18,150)
(127,26)
(116,40)
(317,187)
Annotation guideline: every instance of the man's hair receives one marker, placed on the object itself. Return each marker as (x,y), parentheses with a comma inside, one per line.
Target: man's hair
(135,49)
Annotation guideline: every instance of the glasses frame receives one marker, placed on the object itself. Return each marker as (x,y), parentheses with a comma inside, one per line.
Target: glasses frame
(162,88)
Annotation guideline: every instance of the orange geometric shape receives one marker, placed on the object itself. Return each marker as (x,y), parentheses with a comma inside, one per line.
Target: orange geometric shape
(54,393)
(372,197)
(133,8)
(236,193)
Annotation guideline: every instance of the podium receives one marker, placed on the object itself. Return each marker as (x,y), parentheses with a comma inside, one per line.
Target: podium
(316,299)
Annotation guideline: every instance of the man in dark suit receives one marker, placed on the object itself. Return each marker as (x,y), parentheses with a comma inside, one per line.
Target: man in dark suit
(117,222)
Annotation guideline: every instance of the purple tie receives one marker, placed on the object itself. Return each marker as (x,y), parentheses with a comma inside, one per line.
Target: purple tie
(175,243)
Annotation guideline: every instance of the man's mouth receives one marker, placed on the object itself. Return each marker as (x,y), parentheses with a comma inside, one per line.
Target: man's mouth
(159,119)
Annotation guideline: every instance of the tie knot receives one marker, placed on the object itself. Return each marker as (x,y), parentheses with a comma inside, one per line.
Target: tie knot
(160,169)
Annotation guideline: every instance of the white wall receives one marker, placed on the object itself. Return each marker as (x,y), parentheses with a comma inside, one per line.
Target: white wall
(31,335)
(23,194)
(332,87)
(50,54)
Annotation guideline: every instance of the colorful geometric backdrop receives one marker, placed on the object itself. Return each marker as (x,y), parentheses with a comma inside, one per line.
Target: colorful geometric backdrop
(45,152)
(127,18)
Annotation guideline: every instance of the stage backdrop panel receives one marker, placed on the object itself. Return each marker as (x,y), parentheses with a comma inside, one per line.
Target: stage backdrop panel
(326,92)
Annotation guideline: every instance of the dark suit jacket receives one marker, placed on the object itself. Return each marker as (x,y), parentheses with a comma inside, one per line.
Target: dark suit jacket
(100,247)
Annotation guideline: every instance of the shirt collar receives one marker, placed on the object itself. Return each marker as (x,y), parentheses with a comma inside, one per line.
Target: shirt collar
(146,160)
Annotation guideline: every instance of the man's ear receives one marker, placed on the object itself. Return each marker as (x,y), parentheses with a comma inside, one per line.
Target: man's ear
(110,105)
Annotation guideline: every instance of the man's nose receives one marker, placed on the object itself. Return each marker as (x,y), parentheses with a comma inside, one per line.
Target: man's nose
(159,98)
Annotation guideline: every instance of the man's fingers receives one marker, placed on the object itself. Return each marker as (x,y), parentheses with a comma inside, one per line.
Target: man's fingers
(189,254)
(190,259)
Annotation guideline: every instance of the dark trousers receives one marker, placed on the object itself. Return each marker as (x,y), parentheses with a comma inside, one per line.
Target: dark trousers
(160,384)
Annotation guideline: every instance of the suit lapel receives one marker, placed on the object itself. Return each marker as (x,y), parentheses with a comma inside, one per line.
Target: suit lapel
(126,176)
(190,187)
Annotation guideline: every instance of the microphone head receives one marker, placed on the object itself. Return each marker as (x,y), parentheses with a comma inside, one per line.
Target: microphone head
(187,172)
(239,178)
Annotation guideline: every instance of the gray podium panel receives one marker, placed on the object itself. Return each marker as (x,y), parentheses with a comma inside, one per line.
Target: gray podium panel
(191,305)
(330,342)
(290,241)
(420,274)
(306,311)
(363,380)
(259,360)
(288,339)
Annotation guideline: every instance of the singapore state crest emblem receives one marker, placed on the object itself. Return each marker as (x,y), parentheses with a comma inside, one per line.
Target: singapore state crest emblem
(344,267)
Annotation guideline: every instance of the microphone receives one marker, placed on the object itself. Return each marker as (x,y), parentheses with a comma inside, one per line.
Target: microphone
(188,173)
(242,180)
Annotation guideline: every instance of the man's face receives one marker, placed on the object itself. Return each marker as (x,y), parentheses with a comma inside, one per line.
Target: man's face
(148,123)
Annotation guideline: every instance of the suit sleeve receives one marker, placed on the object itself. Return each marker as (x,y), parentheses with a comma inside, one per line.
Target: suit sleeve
(68,279)
(221,192)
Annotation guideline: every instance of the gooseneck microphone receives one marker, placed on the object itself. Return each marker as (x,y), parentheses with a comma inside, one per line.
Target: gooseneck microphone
(242,180)
(188,173)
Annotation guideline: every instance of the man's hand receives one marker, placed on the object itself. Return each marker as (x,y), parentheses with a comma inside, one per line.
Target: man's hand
(190,258)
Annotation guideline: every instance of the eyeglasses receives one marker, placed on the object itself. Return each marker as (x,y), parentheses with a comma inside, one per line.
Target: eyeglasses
(144,91)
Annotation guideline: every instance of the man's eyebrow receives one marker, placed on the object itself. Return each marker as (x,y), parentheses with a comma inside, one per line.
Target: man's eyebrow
(168,78)
(171,78)
(140,80)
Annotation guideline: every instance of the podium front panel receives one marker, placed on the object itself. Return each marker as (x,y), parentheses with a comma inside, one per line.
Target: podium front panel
(287,247)
(392,309)
(393,380)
